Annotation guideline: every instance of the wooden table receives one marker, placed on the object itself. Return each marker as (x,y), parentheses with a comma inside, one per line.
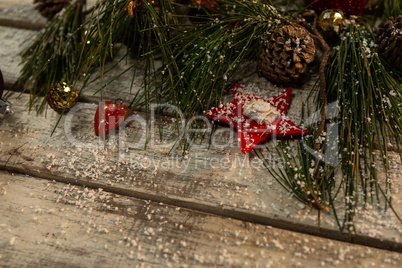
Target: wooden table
(73,200)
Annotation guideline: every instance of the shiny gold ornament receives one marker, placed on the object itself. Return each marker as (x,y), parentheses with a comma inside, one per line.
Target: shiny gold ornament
(62,97)
(332,22)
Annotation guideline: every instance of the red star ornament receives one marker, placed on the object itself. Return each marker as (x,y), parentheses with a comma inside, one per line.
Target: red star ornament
(249,132)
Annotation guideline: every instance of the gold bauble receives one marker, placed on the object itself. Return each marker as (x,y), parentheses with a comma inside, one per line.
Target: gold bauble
(62,97)
(332,22)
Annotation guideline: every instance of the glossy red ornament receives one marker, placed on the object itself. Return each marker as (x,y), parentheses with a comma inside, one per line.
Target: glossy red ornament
(108,116)
(349,7)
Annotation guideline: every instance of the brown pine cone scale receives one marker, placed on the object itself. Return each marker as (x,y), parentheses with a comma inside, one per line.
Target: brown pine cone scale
(389,42)
(285,54)
(49,8)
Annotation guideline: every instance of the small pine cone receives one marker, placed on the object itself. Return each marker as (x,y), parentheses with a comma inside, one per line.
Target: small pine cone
(49,8)
(285,53)
(389,41)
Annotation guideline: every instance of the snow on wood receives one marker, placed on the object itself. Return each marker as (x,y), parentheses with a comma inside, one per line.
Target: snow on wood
(217,180)
(47,223)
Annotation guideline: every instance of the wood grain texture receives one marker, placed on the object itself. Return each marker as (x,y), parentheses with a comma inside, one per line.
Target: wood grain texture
(6,4)
(46,223)
(12,42)
(219,181)
(22,14)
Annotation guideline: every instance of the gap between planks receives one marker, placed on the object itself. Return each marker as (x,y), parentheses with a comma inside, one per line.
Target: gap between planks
(235,213)
(21,164)
(241,214)
(53,224)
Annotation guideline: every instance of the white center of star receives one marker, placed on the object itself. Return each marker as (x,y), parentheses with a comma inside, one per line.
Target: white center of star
(260,111)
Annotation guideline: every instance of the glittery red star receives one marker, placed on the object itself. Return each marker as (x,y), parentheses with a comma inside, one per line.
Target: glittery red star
(251,133)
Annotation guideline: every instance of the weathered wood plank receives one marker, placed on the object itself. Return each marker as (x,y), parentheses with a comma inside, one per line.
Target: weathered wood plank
(234,182)
(46,223)
(219,181)
(20,15)
(12,40)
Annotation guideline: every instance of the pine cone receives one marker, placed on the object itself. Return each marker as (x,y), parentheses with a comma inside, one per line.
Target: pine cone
(284,55)
(389,41)
(49,8)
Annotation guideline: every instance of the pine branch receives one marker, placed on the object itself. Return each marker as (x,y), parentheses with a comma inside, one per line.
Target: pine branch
(389,8)
(73,49)
(50,57)
(206,56)
(369,112)
(322,88)
(297,171)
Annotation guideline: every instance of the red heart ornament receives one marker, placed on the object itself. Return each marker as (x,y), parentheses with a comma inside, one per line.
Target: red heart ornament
(349,7)
(108,116)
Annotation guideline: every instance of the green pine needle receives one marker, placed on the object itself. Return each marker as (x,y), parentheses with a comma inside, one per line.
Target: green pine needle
(199,59)
(369,116)
(52,55)
(206,56)
(72,49)
(369,120)
(389,8)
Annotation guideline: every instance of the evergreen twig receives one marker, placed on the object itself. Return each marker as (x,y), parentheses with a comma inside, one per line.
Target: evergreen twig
(198,60)
(206,56)
(322,89)
(51,57)
(389,8)
(369,113)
